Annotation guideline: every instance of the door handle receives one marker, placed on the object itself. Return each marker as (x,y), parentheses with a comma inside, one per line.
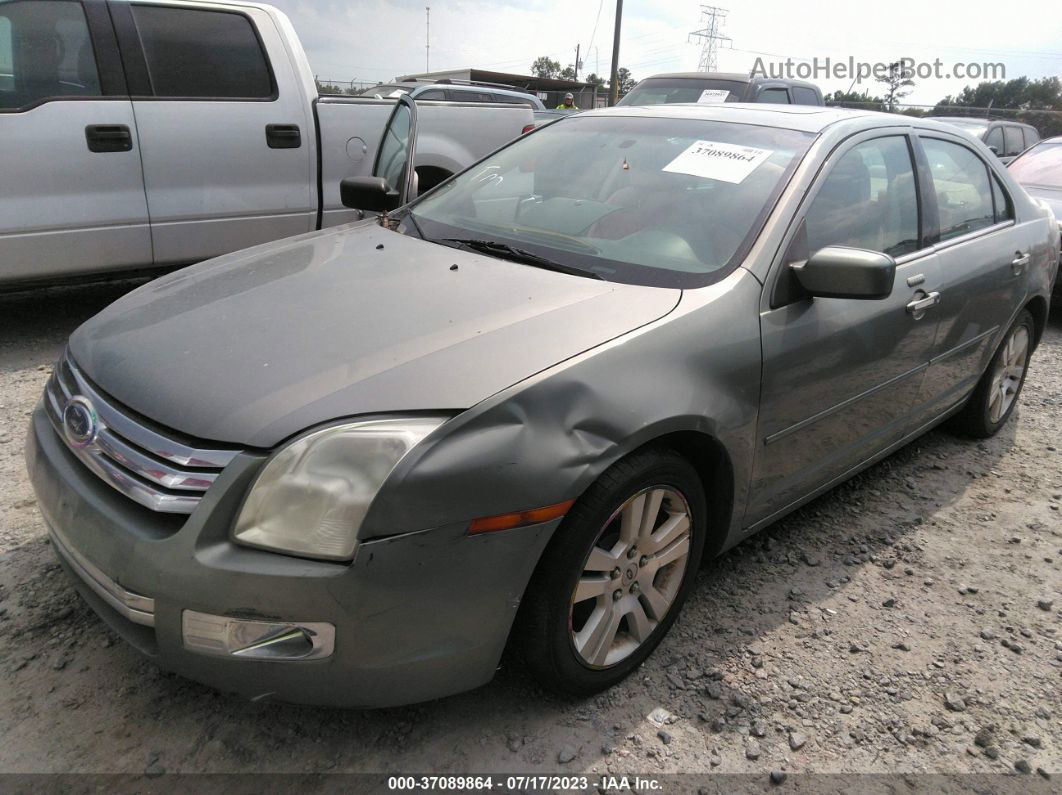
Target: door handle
(283,136)
(108,138)
(917,307)
(1017,265)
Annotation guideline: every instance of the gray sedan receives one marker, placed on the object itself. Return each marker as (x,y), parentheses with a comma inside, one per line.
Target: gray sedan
(354,467)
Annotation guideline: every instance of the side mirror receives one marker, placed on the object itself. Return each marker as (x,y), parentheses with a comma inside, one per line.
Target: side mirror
(841,272)
(372,194)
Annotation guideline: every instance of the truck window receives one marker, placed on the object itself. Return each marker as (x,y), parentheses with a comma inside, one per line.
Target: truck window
(432,93)
(1013,138)
(995,138)
(774,96)
(45,53)
(805,96)
(192,53)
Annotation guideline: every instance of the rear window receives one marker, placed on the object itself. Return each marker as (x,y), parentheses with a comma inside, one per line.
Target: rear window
(193,53)
(670,90)
(805,96)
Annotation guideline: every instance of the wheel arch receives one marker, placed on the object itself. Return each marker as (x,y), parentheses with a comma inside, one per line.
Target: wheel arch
(1037,306)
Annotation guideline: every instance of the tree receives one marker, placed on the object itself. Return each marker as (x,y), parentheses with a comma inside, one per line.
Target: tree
(897,78)
(545,67)
(1035,102)
(595,81)
(626,82)
(568,72)
(853,99)
(327,88)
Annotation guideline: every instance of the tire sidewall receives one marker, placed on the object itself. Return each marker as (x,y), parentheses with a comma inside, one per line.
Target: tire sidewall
(1026,320)
(577,535)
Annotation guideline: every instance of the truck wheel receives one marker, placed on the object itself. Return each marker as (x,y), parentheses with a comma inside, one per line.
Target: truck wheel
(615,575)
(996,394)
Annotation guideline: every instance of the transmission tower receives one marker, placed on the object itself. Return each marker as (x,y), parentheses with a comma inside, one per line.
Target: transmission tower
(710,35)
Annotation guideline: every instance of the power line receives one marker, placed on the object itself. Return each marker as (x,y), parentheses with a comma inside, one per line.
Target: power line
(711,36)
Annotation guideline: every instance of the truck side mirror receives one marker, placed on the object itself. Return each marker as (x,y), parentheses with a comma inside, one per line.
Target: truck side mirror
(372,194)
(842,272)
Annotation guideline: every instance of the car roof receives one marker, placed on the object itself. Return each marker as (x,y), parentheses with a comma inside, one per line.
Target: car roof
(805,118)
(977,120)
(739,77)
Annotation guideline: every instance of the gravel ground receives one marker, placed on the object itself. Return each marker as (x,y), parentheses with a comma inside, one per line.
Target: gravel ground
(908,621)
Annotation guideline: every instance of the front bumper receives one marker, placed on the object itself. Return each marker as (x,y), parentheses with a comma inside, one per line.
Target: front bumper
(417,616)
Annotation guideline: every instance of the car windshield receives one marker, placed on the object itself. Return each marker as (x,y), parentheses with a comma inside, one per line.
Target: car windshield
(1040,166)
(669,90)
(385,92)
(975,127)
(656,201)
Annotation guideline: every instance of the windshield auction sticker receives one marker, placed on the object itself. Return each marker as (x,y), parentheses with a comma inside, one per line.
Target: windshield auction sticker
(712,96)
(714,160)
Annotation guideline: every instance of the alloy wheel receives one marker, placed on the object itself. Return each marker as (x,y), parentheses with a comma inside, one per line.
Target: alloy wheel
(631,576)
(1010,368)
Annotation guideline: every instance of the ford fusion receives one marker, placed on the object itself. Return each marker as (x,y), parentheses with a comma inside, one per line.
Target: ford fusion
(354,467)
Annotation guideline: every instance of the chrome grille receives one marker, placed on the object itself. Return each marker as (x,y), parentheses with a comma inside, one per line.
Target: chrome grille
(142,463)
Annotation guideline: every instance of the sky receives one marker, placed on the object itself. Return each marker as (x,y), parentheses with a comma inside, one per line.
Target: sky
(375,40)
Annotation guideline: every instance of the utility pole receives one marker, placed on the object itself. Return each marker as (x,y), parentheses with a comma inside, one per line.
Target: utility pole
(427,37)
(711,35)
(577,46)
(613,86)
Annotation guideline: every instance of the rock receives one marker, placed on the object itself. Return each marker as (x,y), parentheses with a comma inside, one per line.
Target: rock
(987,634)
(718,725)
(665,737)
(890,602)
(752,749)
(1045,604)
(954,702)
(514,743)
(1023,766)
(778,776)
(983,738)
(759,728)
(797,740)
(1043,774)
(901,646)
(566,754)
(714,690)
(1033,741)
(810,559)
(992,752)
(661,717)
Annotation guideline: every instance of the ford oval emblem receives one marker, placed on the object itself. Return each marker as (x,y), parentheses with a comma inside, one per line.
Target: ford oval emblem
(79,422)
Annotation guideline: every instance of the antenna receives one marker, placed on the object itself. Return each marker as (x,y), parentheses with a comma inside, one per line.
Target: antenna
(427,37)
(712,18)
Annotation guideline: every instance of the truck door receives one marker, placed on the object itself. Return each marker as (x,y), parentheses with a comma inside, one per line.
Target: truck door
(228,141)
(71,185)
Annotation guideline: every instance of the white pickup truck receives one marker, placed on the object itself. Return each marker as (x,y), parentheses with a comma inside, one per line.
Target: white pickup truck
(154,134)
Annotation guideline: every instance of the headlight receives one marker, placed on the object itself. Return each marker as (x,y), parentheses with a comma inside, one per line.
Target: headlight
(311,497)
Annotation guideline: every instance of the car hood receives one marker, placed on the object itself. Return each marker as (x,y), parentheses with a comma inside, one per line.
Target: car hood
(1051,196)
(253,347)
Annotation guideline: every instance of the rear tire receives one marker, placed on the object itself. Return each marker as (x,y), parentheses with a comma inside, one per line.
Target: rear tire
(615,575)
(997,393)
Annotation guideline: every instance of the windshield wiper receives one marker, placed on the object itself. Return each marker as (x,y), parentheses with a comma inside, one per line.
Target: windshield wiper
(493,248)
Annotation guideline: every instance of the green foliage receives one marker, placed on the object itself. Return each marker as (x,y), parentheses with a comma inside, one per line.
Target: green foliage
(568,72)
(594,80)
(546,67)
(327,88)
(626,82)
(1035,102)
(895,80)
(853,99)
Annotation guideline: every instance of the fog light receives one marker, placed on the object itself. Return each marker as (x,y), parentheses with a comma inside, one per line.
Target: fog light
(222,636)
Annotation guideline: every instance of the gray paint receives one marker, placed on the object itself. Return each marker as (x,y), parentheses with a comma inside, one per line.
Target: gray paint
(552,378)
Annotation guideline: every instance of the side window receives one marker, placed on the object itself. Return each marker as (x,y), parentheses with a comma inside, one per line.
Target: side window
(432,93)
(774,96)
(1004,207)
(45,52)
(868,200)
(1031,136)
(804,96)
(1014,143)
(960,179)
(391,162)
(995,139)
(202,54)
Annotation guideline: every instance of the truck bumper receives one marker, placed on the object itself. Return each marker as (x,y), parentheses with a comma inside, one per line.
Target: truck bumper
(416,616)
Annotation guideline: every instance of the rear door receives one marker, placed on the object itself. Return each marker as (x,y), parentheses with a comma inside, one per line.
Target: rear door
(982,253)
(840,376)
(226,128)
(1013,142)
(71,185)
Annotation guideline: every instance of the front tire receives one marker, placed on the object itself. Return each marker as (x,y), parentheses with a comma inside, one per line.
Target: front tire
(996,394)
(614,578)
